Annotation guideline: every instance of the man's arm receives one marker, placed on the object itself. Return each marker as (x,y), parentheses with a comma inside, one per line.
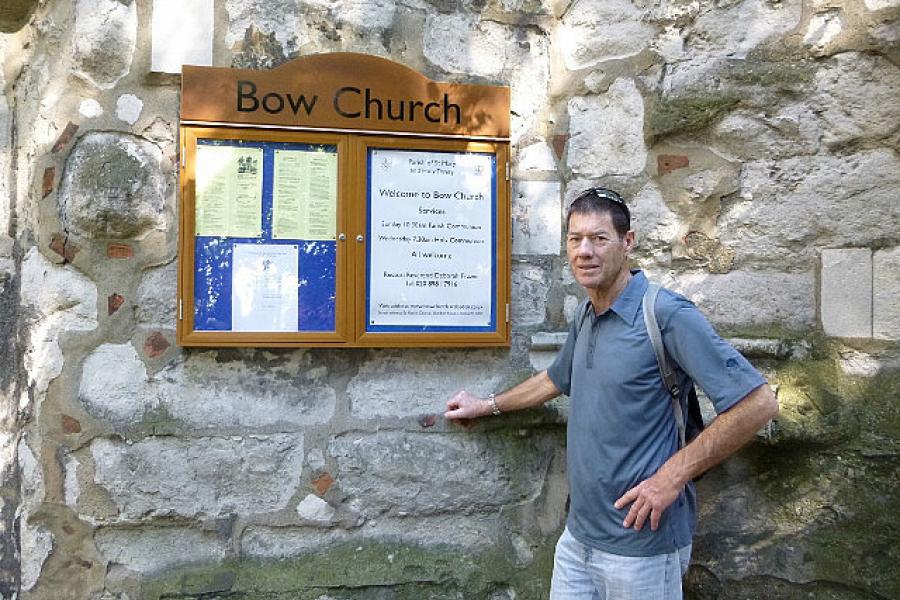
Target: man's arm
(727,433)
(535,390)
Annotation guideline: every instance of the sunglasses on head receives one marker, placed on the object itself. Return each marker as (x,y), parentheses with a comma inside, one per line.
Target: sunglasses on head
(606,194)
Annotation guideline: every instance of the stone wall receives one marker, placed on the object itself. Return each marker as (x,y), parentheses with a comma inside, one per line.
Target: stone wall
(757,142)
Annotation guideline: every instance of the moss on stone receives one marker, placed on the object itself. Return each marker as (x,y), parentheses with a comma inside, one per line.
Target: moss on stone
(690,112)
(354,570)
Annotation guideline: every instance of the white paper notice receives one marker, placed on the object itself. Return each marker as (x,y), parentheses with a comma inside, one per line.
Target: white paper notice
(264,287)
(431,241)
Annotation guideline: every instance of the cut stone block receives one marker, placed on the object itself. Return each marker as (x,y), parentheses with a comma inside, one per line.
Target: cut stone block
(537,218)
(182,34)
(846,294)
(886,299)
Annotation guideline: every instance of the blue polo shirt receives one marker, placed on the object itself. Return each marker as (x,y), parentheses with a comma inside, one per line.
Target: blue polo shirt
(621,425)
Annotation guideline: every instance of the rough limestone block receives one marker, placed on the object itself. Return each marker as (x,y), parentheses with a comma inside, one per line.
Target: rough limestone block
(487,44)
(198,477)
(752,299)
(105,35)
(743,26)
(456,531)
(536,157)
(655,224)
(155,300)
(788,209)
(792,130)
(410,382)
(284,19)
(607,132)
(182,34)
(886,278)
(857,97)
(846,294)
(36,542)
(422,474)
(530,287)
(201,394)
(881,4)
(152,550)
(113,187)
(537,217)
(58,299)
(593,31)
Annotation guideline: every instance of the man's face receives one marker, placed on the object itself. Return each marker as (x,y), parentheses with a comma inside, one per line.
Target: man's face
(596,254)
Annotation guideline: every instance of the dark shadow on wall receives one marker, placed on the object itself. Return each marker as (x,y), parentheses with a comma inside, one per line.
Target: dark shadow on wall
(15,13)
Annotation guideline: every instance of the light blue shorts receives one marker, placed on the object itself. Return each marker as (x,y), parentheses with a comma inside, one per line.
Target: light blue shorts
(584,573)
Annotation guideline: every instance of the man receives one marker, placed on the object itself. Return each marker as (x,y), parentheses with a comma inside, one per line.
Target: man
(632,512)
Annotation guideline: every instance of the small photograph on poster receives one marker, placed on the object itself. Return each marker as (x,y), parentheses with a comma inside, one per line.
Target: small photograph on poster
(431,241)
(264,294)
(304,195)
(229,191)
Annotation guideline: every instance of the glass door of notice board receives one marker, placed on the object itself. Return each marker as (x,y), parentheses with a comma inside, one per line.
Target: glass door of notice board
(260,226)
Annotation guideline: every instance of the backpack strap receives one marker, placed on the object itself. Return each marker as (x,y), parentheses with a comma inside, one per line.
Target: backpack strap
(669,377)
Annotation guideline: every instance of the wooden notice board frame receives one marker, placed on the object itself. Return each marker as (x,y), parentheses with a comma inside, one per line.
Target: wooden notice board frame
(361,109)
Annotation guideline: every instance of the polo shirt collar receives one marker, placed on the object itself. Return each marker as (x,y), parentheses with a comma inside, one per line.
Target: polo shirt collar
(628,303)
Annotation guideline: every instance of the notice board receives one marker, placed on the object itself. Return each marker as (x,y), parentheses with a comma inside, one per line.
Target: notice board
(382,220)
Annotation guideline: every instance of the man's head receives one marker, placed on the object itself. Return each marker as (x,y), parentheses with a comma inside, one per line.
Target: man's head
(602,200)
(598,238)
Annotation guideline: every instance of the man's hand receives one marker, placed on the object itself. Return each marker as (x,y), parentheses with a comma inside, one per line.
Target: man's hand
(464,405)
(650,497)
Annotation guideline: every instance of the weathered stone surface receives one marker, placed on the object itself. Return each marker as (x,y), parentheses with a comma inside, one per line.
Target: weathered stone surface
(529,295)
(792,207)
(198,477)
(36,544)
(105,35)
(456,531)
(743,26)
(113,187)
(154,549)
(536,157)
(427,474)
(781,300)
(655,225)
(607,132)
(846,294)
(886,278)
(201,394)
(128,108)
(857,98)
(182,34)
(403,384)
(537,217)
(155,304)
(312,508)
(31,477)
(881,4)
(58,299)
(284,19)
(593,31)
(822,30)
(793,130)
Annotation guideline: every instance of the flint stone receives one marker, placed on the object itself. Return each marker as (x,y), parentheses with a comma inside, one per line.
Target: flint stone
(400,384)
(457,531)
(886,320)
(789,298)
(36,544)
(537,217)
(593,31)
(152,550)
(201,478)
(57,299)
(90,109)
(530,287)
(607,132)
(155,303)
(792,207)
(857,97)
(313,508)
(105,35)
(128,108)
(113,187)
(202,394)
(846,296)
(427,474)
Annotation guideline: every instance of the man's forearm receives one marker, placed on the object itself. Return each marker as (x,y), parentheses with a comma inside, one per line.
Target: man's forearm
(727,434)
(532,392)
